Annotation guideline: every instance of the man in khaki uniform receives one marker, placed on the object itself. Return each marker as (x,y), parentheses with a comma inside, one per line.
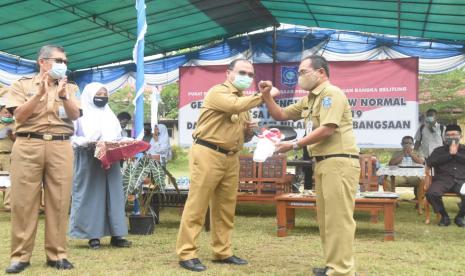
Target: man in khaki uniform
(223,126)
(45,106)
(400,157)
(6,143)
(331,141)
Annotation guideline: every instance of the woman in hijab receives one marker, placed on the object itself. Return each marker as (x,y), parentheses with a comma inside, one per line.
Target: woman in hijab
(97,208)
(160,143)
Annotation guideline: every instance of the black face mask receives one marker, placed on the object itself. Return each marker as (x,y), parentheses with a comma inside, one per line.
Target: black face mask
(448,140)
(100,101)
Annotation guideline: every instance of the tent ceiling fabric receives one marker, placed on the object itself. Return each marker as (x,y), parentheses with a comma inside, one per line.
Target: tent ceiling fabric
(98,32)
(439,19)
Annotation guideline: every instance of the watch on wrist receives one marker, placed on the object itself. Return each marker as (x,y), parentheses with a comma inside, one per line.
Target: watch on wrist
(64,98)
(295,146)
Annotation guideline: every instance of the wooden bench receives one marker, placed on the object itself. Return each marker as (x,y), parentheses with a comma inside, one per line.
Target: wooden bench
(2,190)
(287,203)
(261,182)
(368,179)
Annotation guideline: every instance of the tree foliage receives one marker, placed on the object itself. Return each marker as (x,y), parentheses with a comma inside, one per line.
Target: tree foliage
(121,100)
(170,97)
(443,92)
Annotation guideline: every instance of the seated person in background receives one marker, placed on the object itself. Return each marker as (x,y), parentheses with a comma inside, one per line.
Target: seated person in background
(160,144)
(6,143)
(124,118)
(407,156)
(97,208)
(448,162)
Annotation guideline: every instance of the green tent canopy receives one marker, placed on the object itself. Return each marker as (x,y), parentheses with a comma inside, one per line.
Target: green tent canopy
(97,32)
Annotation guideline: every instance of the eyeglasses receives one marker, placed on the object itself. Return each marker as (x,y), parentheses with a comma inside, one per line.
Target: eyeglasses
(304,72)
(243,73)
(59,60)
(406,143)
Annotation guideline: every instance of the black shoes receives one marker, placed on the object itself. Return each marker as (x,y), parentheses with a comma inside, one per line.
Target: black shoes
(196,265)
(232,260)
(193,265)
(17,267)
(120,242)
(62,264)
(460,221)
(445,221)
(94,244)
(320,271)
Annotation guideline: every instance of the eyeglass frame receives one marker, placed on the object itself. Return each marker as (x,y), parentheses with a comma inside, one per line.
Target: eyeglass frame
(304,71)
(57,60)
(243,73)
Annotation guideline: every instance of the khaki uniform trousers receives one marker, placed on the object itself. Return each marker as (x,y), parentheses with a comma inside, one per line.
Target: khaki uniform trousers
(336,181)
(404,181)
(5,166)
(34,161)
(214,178)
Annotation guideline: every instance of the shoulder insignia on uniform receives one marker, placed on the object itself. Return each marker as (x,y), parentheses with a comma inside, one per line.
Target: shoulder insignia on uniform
(326,102)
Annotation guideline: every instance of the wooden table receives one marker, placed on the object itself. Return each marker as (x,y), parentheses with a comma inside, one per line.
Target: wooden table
(287,203)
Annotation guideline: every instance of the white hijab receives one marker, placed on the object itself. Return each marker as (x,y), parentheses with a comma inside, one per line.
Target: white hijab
(97,123)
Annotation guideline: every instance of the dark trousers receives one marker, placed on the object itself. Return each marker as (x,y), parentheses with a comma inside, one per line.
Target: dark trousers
(435,193)
(308,172)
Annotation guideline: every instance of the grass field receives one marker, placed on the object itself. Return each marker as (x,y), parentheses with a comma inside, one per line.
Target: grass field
(419,249)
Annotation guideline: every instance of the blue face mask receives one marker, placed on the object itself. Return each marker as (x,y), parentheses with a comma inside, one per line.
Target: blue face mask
(242,82)
(429,119)
(58,71)
(7,120)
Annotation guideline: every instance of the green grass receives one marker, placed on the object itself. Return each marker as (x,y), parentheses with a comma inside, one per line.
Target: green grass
(419,249)
(179,166)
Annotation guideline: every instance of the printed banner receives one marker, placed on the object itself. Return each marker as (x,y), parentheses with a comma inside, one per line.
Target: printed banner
(383,95)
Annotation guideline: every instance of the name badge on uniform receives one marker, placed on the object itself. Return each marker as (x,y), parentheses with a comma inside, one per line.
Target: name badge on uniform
(309,127)
(62,113)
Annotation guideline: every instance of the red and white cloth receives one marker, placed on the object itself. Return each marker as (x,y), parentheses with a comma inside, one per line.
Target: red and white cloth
(111,152)
(266,145)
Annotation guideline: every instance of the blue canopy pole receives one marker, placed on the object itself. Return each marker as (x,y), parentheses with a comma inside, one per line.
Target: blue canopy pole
(138,56)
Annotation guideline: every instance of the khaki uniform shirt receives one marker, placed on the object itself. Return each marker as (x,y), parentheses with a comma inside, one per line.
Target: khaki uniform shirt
(49,115)
(223,115)
(5,142)
(324,105)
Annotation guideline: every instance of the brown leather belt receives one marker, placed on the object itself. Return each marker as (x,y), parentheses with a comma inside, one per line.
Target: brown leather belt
(321,158)
(46,137)
(213,146)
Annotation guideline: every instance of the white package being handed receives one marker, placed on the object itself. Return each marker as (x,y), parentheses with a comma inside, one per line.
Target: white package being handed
(266,145)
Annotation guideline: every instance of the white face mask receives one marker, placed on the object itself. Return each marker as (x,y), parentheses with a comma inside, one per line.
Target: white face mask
(58,71)
(242,82)
(308,82)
